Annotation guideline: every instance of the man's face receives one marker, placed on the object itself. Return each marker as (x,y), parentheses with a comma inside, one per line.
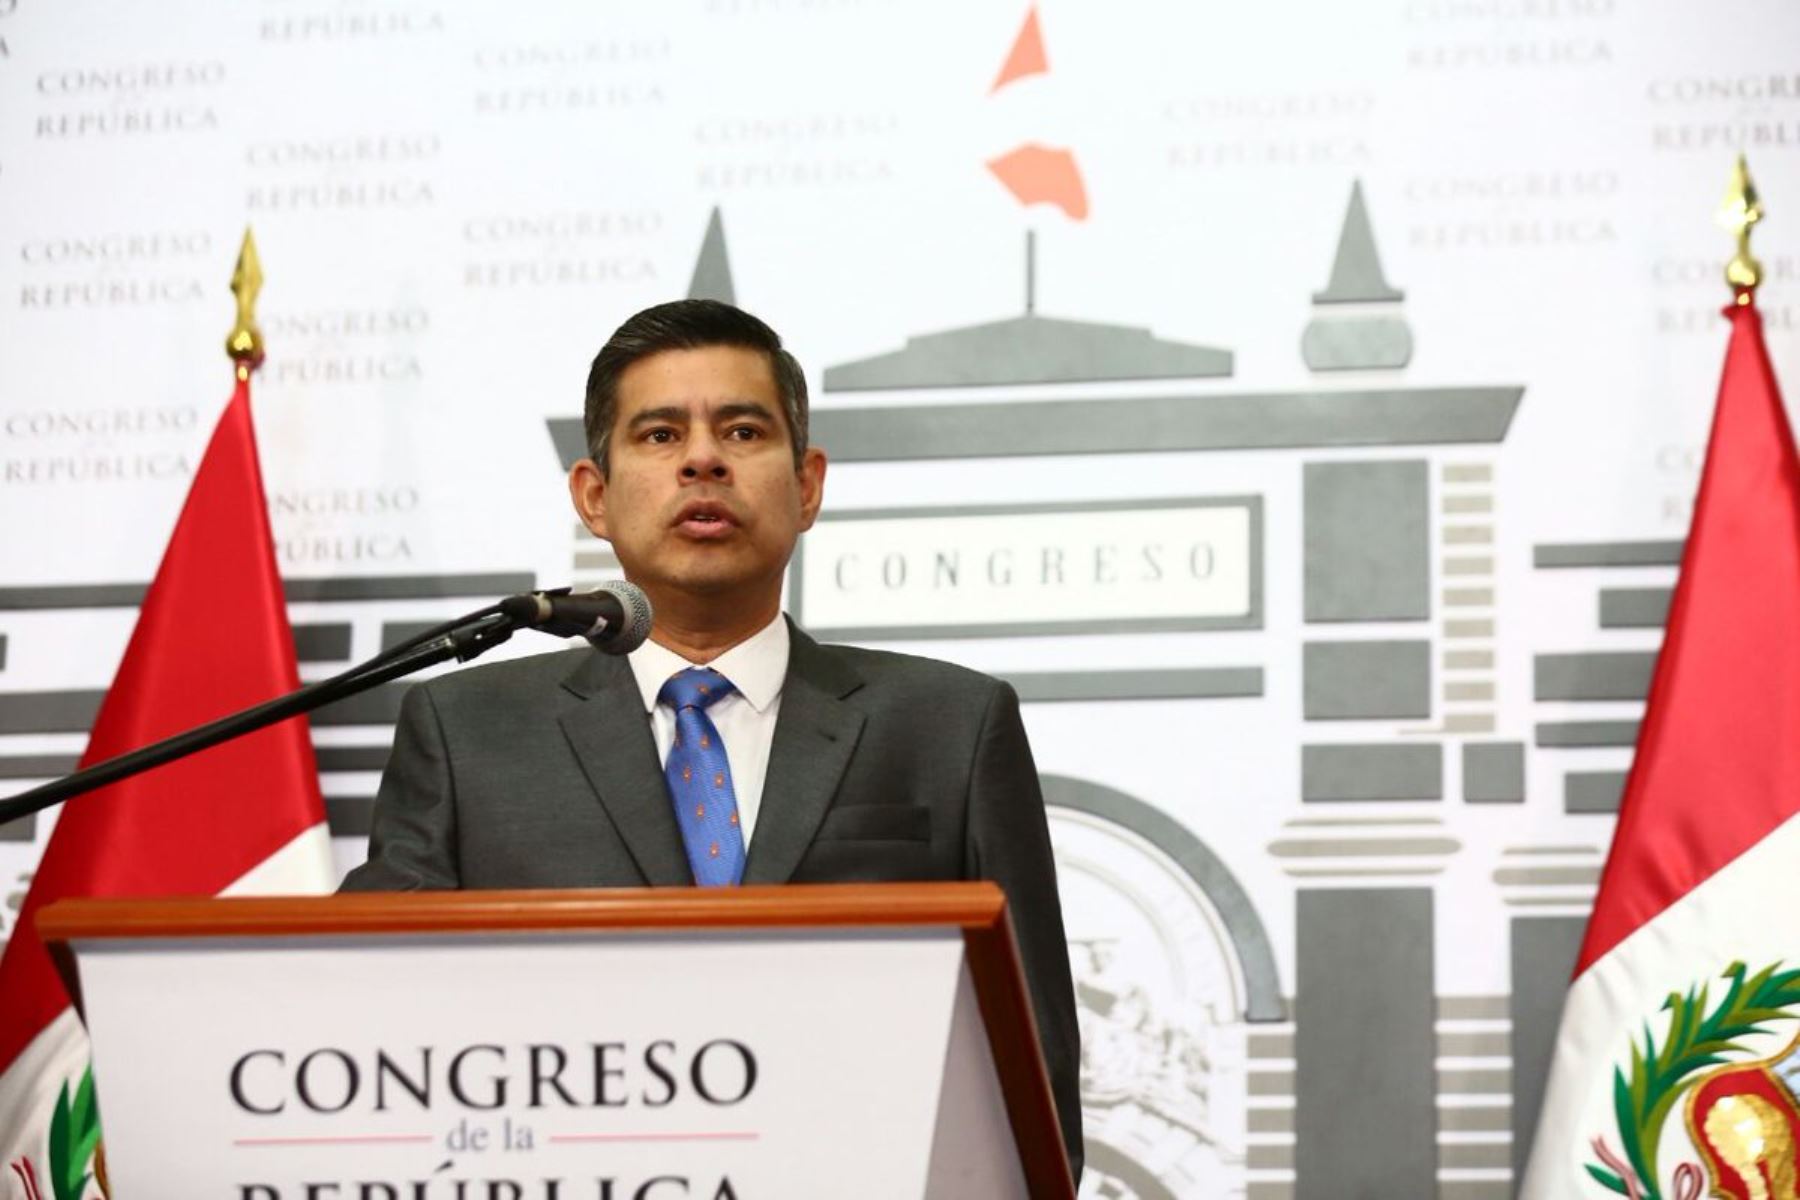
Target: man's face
(701,499)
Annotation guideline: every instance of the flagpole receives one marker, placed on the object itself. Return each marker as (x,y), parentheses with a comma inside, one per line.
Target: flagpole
(1740,213)
(244,344)
(1708,828)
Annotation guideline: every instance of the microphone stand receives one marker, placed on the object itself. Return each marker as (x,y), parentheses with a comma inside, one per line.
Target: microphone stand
(462,639)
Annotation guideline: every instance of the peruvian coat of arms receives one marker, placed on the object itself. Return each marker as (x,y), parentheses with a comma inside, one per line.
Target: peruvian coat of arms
(1740,1113)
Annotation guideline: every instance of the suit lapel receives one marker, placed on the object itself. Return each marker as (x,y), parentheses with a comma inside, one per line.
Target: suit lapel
(814,738)
(610,734)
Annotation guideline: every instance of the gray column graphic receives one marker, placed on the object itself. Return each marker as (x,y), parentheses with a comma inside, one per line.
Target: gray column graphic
(1365,1116)
(1367,542)
(1543,956)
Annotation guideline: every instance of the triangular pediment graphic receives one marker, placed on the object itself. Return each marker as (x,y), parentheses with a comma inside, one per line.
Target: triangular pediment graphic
(1356,276)
(712,270)
(1029,349)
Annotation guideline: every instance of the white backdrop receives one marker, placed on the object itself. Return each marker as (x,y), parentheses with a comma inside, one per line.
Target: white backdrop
(1395,778)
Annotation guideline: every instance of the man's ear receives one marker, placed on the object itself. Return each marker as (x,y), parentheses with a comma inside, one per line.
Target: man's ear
(587,489)
(812,485)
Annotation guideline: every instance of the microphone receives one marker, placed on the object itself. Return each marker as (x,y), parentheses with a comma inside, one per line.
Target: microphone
(615,617)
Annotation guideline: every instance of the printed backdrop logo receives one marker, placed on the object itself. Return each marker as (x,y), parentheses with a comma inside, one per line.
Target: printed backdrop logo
(1044,568)
(79,102)
(1169,963)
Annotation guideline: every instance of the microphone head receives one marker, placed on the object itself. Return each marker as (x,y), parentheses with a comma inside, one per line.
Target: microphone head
(635,627)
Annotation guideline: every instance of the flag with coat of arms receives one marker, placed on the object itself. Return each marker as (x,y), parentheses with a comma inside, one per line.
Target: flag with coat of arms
(244,817)
(1676,1072)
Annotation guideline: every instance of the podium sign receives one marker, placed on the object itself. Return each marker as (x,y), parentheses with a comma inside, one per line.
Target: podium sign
(760,1042)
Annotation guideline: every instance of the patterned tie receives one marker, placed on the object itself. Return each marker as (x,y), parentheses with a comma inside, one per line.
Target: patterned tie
(700,778)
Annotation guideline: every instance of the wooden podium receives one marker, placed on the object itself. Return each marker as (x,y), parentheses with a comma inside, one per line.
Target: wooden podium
(803,1041)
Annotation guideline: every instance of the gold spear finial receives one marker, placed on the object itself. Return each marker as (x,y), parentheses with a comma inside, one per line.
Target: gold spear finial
(245,344)
(1741,211)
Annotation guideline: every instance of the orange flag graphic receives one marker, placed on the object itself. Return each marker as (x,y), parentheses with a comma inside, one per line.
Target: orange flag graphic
(1037,174)
(1026,56)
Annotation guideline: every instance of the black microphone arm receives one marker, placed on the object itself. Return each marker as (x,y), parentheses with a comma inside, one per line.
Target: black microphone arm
(463,639)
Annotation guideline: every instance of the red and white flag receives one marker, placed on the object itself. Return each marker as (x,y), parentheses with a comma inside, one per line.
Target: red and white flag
(1677,1066)
(242,817)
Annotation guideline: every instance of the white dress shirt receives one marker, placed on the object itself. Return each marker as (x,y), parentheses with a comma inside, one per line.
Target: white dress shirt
(745,719)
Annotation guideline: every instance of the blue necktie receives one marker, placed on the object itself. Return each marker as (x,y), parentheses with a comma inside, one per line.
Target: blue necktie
(699,778)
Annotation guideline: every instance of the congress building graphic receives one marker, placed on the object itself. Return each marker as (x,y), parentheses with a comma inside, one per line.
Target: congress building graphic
(1203,1063)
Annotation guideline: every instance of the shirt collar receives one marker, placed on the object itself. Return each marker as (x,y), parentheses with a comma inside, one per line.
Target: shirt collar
(756,666)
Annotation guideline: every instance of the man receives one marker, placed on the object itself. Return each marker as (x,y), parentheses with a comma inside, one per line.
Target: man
(731,747)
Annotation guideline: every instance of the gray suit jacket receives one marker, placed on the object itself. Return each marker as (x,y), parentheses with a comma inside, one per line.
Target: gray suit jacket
(543,772)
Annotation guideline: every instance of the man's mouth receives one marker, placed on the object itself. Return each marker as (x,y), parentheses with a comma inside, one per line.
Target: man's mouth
(705,521)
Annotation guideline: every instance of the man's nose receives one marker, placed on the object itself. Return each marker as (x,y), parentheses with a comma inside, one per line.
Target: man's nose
(705,459)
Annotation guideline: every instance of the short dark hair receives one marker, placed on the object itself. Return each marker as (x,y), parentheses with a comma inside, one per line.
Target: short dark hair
(688,325)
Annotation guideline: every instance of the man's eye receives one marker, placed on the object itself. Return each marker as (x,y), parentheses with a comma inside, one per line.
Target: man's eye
(743,433)
(660,436)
